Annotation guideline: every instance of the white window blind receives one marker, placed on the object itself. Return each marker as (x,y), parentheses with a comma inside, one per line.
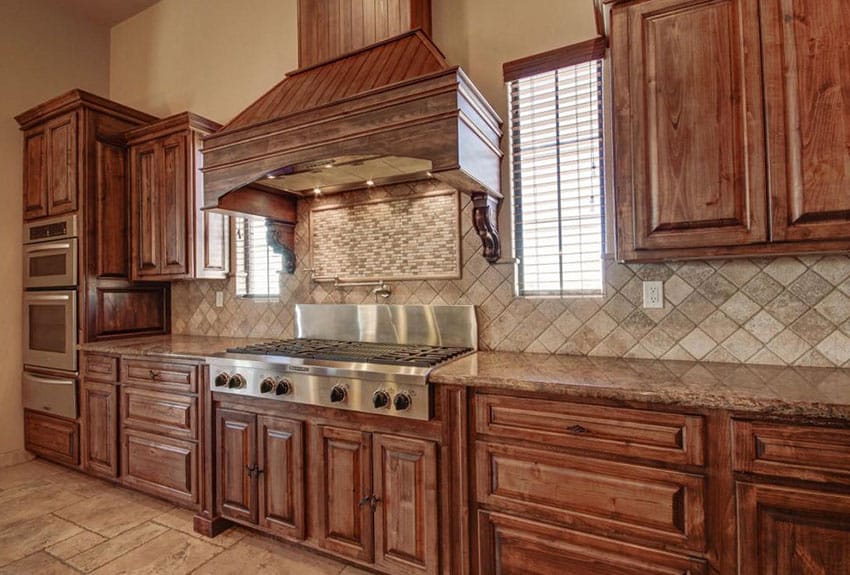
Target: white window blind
(258,267)
(558,184)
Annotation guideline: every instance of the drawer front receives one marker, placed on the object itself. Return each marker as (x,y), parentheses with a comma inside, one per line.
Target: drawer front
(521,547)
(164,376)
(620,500)
(160,465)
(52,438)
(166,413)
(801,452)
(667,437)
(100,368)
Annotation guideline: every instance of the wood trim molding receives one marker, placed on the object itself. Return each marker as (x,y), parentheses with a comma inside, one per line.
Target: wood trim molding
(571,55)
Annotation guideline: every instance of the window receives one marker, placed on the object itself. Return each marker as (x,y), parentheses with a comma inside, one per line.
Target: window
(258,267)
(556,131)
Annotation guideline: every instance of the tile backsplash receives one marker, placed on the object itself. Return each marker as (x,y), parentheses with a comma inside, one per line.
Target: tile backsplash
(779,311)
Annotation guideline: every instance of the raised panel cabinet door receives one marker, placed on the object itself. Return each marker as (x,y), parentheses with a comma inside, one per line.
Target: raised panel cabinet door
(690,170)
(146,212)
(161,466)
(345,517)
(35,173)
(790,531)
(513,546)
(405,477)
(111,248)
(281,483)
(62,164)
(99,410)
(236,456)
(54,438)
(807,89)
(176,234)
(212,241)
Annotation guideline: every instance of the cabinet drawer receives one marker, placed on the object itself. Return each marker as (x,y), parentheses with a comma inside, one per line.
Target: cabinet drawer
(666,437)
(797,451)
(160,465)
(521,547)
(52,437)
(165,376)
(100,368)
(165,413)
(617,499)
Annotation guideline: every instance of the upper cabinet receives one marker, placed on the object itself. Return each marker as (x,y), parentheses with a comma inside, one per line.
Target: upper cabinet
(731,130)
(171,237)
(330,28)
(51,162)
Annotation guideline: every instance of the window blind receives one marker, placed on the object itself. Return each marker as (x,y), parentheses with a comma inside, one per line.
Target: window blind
(258,267)
(558,184)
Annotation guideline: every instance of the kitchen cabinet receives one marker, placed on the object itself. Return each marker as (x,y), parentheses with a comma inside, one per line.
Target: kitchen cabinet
(54,438)
(99,414)
(729,127)
(160,465)
(261,476)
(51,164)
(327,28)
(170,237)
(378,499)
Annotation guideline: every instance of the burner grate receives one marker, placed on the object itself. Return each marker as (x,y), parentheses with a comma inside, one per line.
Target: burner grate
(357,351)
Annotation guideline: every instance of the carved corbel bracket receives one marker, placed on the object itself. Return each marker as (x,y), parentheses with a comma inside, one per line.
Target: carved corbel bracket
(281,238)
(485,213)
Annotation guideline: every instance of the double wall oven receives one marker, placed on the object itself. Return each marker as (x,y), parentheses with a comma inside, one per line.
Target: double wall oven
(50,316)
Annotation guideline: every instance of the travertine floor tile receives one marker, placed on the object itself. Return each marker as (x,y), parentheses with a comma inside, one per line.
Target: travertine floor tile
(111,549)
(34,535)
(172,553)
(82,541)
(182,520)
(23,503)
(261,556)
(26,472)
(108,514)
(38,564)
(354,571)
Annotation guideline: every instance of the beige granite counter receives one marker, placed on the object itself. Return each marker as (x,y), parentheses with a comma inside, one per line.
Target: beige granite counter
(175,346)
(804,392)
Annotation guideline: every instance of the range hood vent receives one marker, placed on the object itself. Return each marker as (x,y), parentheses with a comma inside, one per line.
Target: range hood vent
(391,112)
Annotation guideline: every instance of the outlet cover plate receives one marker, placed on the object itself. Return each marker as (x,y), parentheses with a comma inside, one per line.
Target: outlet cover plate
(653,294)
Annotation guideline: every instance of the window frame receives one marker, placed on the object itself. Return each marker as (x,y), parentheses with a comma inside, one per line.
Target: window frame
(239,222)
(546,62)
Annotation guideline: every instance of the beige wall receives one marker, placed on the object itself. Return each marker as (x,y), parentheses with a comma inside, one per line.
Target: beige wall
(43,52)
(212,57)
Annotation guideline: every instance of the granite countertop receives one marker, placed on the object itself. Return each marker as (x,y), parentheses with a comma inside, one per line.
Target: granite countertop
(175,346)
(811,392)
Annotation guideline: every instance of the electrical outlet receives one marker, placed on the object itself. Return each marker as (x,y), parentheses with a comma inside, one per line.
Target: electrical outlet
(219,299)
(653,295)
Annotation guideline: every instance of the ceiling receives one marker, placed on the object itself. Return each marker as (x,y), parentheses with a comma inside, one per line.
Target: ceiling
(107,12)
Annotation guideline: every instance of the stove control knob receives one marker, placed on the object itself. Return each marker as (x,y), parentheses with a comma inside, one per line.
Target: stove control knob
(380,399)
(236,381)
(284,387)
(401,401)
(221,379)
(267,385)
(338,394)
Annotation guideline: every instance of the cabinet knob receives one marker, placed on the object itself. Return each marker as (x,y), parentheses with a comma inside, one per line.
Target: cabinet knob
(155,375)
(577,429)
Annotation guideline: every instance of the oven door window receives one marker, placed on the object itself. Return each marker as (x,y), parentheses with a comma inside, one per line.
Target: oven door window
(47,327)
(51,264)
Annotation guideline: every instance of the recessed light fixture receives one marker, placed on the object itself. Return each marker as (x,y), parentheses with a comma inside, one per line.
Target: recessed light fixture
(370,183)
(429,174)
(317,191)
(270,177)
(329,165)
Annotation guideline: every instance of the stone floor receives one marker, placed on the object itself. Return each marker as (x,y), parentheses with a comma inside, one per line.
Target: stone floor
(54,521)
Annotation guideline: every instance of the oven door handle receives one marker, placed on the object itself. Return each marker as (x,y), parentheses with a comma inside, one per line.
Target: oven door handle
(48,247)
(43,297)
(48,381)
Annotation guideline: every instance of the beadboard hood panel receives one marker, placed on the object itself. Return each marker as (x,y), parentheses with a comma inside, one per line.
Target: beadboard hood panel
(394,111)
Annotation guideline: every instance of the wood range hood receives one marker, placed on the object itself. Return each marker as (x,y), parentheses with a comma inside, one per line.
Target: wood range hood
(391,112)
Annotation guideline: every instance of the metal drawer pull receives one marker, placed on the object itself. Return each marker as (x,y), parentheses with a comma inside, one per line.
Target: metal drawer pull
(371,500)
(577,429)
(254,470)
(155,375)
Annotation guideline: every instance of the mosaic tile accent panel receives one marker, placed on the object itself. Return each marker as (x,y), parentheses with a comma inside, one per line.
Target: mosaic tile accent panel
(403,238)
(775,311)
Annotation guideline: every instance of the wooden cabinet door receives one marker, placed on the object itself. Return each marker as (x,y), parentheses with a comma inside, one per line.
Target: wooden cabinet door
(690,167)
(161,466)
(344,483)
(175,230)
(99,412)
(212,245)
(146,225)
(236,455)
(789,531)
(62,164)
(35,173)
(807,89)
(54,438)
(405,486)
(110,248)
(281,483)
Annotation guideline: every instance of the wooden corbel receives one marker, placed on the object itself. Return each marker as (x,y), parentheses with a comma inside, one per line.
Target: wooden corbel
(281,238)
(485,213)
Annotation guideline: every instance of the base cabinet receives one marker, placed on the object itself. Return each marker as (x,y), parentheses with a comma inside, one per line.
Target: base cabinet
(99,411)
(160,465)
(54,438)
